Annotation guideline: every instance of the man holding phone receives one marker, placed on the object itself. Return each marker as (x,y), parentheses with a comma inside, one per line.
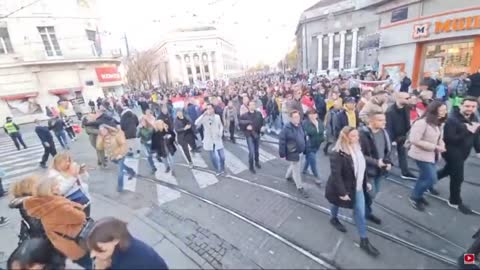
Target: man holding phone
(376,148)
(461,133)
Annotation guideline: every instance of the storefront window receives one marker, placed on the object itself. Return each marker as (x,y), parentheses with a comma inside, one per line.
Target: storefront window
(448,59)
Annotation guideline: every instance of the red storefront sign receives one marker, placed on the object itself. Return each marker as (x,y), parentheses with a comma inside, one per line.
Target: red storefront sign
(108,74)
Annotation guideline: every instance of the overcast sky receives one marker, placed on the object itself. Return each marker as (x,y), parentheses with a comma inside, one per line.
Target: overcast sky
(262,30)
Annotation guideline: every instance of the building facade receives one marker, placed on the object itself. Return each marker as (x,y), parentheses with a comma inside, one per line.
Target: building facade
(430,38)
(196,55)
(338,35)
(52,50)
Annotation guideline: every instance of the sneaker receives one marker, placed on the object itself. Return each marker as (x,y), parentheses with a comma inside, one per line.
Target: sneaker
(289,179)
(258,165)
(154,170)
(465,209)
(318,182)
(43,166)
(190,164)
(337,225)
(423,201)
(131,176)
(167,170)
(3,221)
(417,204)
(374,219)
(408,176)
(433,191)
(218,173)
(303,193)
(369,248)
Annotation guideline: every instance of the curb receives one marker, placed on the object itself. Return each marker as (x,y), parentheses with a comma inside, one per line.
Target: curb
(194,257)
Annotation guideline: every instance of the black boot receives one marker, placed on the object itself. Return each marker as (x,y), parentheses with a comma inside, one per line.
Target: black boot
(257,164)
(367,247)
(252,169)
(339,226)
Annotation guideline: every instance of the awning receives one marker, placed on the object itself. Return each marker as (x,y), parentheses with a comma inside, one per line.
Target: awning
(64,91)
(19,96)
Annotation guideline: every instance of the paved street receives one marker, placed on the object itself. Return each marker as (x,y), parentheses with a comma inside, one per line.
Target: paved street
(198,220)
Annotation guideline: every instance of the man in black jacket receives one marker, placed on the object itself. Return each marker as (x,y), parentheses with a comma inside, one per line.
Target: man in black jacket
(461,133)
(46,138)
(405,82)
(129,123)
(475,84)
(398,125)
(251,124)
(376,148)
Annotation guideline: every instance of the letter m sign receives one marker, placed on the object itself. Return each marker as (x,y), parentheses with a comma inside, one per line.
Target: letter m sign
(421,30)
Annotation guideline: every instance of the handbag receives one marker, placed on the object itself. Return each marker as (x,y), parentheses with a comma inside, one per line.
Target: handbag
(83,234)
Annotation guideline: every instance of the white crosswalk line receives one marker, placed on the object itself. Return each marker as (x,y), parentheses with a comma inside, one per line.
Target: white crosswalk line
(21,152)
(160,174)
(131,184)
(234,164)
(165,194)
(13,161)
(264,155)
(204,179)
(9,141)
(21,170)
(19,164)
(269,138)
(198,160)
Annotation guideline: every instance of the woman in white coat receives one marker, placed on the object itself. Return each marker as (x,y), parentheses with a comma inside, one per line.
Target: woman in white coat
(212,137)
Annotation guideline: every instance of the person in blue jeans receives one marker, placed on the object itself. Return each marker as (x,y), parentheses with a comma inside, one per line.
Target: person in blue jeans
(57,125)
(212,137)
(145,133)
(251,124)
(112,140)
(426,139)
(347,184)
(314,130)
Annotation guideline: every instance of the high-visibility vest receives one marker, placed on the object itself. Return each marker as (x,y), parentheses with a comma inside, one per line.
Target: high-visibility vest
(10,127)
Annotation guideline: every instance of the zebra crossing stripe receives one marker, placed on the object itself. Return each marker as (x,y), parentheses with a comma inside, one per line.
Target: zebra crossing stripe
(204,179)
(14,153)
(35,155)
(165,194)
(234,164)
(264,155)
(21,154)
(21,171)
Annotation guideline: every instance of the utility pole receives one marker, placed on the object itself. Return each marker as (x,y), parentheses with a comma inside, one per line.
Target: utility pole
(126,44)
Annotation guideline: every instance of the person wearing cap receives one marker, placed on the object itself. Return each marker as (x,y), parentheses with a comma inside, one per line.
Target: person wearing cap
(14,132)
(378,103)
(348,116)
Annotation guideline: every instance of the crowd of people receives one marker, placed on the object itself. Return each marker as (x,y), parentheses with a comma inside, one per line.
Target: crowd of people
(359,118)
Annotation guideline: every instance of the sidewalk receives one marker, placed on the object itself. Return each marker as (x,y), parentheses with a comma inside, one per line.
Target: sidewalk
(173,251)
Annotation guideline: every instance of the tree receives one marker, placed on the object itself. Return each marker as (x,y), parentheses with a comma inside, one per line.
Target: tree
(141,68)
(291,58)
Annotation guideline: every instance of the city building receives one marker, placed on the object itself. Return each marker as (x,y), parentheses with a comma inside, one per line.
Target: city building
(338,35)
(430,38)
(52,50)
(196,55)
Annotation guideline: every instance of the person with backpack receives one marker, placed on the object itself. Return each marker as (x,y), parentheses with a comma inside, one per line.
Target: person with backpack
(458,89)
(314,130)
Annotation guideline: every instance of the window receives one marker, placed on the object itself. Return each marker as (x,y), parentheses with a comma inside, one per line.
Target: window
(189,71)
(399,14)
(325,52)
(50,41)
(197,69)
(205,68)
(92,39)
(348,50)
(5,43)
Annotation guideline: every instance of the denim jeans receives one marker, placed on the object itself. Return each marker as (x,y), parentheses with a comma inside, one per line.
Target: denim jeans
(168,161)
(122,167)
(148,152)
(427,178)
(17,138)
(311,161)
(358,213)
(253,148)
(218,159)
(370,196)
(62,138)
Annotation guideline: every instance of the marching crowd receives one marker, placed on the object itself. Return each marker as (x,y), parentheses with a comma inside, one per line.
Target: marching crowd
(360,119)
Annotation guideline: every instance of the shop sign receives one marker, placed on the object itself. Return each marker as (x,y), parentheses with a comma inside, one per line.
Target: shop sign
(108,74)
(423,30)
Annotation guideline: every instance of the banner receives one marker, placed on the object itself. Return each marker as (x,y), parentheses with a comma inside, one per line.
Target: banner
(24,106)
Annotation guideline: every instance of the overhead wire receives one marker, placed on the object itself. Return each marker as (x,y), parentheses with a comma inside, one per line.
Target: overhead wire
(19,9)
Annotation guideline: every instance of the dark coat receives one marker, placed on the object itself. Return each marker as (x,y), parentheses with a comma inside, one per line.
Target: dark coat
(341,121)
(370,151)
(292,142)
(164,143)
(184,135)
(398,123)
(44,134)
(320,105)
(129,123)
(342,180)
(255,119)
(272,108)
(315,136)
(167,119)
(56,125)
(475,85)
(458,140)
(405,84)
(34,228)
(137,255)
(103,119)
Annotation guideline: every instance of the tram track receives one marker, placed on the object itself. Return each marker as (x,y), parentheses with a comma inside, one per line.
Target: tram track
(380,233)
(318,258)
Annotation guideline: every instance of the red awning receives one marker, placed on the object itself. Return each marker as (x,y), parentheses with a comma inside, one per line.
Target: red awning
(64,91)
(19,96)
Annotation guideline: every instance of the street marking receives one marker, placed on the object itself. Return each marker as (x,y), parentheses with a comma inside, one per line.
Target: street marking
(130,185)
(13,161)
(162,175)
(28,162)
(198,160)
(270,138)
(204,179)
(165,194)
(264,155)
(22,170)
(22,153)
(234,164)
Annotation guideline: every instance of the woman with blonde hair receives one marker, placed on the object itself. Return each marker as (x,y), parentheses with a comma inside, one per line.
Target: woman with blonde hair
(71,179)
(20,191)
(62,219)
(347,184)
(163,142)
